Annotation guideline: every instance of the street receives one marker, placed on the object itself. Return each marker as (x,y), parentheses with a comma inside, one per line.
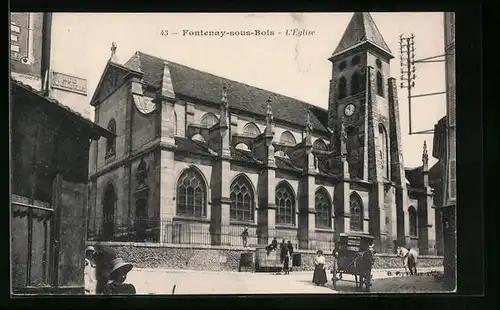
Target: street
(158,281)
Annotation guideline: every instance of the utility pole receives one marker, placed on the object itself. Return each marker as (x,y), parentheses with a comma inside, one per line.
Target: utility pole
(408,76)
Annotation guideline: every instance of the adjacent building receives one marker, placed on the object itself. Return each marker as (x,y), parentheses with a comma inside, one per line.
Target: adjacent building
(445,152)
(198,157)
(49,147)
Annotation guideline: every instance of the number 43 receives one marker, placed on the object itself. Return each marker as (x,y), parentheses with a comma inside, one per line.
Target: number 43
(164,32)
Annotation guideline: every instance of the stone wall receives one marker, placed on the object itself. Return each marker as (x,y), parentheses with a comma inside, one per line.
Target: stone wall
(223,258)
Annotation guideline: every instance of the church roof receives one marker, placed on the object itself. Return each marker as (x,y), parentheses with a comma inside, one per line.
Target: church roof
(360,30)
(196,84)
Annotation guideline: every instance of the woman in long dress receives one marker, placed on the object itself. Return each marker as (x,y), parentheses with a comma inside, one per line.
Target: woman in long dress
(319,276)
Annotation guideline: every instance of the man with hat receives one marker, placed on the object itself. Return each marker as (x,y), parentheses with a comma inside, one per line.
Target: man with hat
(111,271)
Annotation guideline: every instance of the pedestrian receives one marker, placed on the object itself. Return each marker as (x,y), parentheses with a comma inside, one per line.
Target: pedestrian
(90,281)
(244,236)
(290,253)
(335,261)
(271,247)
(116,279)
(284,256)
(319,275)
(111,271)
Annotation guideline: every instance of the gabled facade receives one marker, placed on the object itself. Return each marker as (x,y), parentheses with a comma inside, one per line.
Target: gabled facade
(193,147)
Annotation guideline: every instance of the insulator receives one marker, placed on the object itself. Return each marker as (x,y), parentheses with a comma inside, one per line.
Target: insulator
(413,69)
(402,78)
(401,85)
(413,55)
(412,84)
(414,76)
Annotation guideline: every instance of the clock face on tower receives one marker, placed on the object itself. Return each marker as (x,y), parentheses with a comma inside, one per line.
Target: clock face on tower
(349,109)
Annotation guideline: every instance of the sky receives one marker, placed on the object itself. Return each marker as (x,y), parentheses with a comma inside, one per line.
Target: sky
(294,66)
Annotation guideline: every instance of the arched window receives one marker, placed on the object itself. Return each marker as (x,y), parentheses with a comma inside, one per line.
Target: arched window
(380,84)
(242,200)
(251,130)
(319,145)
(323,209)
(384,150)
(412,214)
(356,212)
(285,204)
(342,88)
(355,83)
(287,138)
(108,211)
(191,194)
(111,141)
(209,119)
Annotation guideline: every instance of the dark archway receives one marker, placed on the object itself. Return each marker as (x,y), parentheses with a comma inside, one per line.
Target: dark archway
(109,204)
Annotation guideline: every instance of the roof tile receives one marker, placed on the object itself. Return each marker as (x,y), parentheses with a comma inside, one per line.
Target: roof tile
(361,29)
(204,86)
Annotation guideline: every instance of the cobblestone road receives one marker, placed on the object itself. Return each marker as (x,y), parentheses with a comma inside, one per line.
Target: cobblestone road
(158,281)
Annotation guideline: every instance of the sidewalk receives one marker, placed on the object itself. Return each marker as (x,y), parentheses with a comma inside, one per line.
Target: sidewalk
(162,281)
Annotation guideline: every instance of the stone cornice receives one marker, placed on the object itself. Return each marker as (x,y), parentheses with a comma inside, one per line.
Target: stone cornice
(147,148)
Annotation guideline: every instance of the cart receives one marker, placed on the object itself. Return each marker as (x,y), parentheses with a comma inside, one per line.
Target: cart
(353,254)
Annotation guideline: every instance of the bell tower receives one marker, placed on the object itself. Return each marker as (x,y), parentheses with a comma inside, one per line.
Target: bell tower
(363,101)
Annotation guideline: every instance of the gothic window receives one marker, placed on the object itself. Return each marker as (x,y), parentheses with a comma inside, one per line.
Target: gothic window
(384,150)
(191,194)
(285,204)
(251,130)
(380,85)
(111,142)
(209,119)
(356,212)
(319,145)
(287,138)
(412,214)
(342,88)
(355,83)
(242,200)
(323,209)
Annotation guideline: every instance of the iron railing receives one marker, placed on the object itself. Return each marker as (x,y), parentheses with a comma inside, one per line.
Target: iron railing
(168,231)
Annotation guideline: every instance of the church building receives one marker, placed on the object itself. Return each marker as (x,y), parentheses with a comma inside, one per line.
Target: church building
(212,156)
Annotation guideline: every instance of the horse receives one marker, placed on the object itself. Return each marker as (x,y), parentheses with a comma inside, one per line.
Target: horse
(363,264)
(409,259)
